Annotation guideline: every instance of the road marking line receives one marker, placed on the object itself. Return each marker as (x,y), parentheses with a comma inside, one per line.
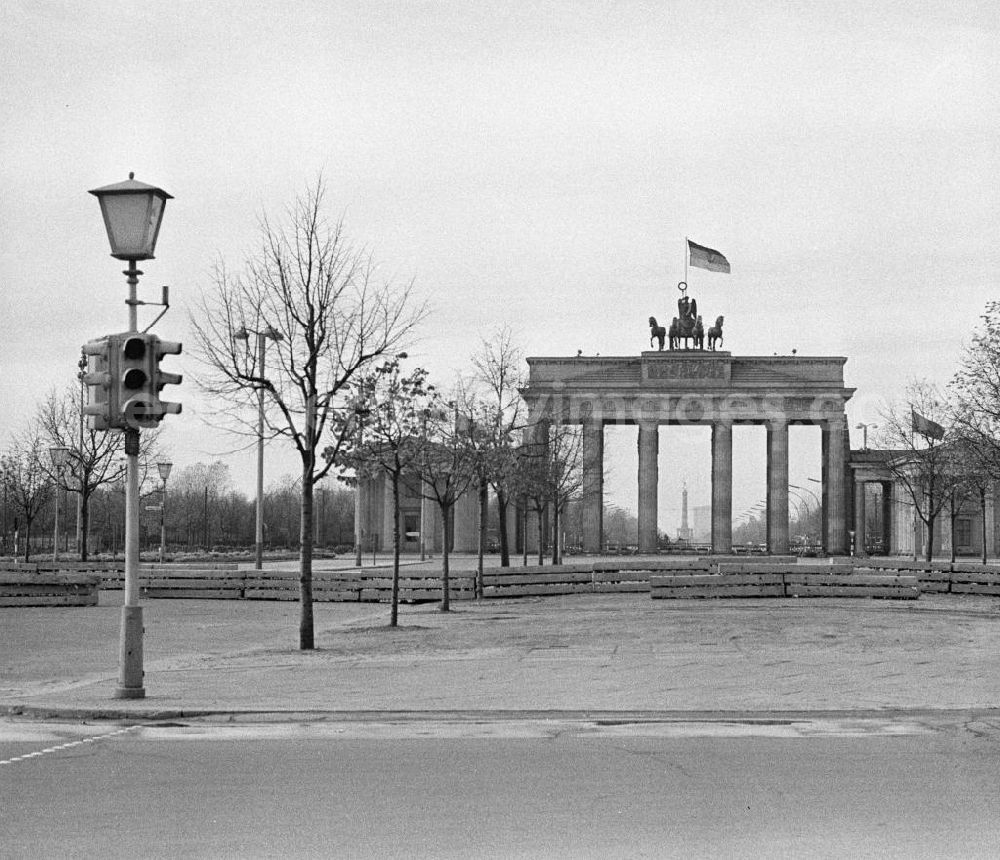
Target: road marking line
(67,745)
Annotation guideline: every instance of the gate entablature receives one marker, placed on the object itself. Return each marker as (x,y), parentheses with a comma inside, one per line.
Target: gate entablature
(680,388)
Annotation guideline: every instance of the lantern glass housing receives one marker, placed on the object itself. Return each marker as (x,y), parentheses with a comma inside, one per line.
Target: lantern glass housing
(132,214)
(164,470)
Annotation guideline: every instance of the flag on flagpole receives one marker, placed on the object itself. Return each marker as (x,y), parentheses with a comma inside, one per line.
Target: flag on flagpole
(706,258)
(924,426)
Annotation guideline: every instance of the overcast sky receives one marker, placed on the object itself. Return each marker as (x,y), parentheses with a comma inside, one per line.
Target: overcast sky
(535,164)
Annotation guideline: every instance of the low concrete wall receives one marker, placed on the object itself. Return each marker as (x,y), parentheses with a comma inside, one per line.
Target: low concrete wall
(30,588)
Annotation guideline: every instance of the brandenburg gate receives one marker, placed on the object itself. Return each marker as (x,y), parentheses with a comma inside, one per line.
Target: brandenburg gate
(697,387)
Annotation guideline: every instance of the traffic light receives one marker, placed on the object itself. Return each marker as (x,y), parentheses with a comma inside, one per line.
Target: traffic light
(161,377)
(102,405)
(136,392)
(124,381)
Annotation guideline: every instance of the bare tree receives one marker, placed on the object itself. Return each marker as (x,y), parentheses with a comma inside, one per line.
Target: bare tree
(329,315)
(976,385)
(478,423)
(918,434)
(386,436)
(196,492)
(976,409)
(499,367)
(28,482)
(446,472)
(551,474)
(96,457)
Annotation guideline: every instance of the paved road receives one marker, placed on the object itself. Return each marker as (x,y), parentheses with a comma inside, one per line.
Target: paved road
(896,786)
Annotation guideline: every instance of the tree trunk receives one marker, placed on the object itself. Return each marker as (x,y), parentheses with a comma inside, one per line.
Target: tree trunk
(555,532)
(541,535)
(502,503)
(483,512)
(84,523)
(953,515)
(931,518)
(445,551)
(394,612)
(306,641)
(982,507)
(524,533)
(27,540)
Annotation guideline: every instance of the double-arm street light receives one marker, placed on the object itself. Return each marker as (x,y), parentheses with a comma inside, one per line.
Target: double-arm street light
(132,214)
(268,333)
(863,427)
(60,457)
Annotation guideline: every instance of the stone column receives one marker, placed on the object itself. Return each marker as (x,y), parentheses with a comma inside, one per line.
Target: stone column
(889,543)
(945,536)
(536,437)
(722,487)
(530,524)
(513,547)
(833,486)
(466,536)
(777,487)
(593,485)
(859,518)
(385,535)
(649,450)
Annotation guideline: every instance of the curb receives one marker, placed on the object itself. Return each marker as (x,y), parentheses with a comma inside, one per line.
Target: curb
(599,716)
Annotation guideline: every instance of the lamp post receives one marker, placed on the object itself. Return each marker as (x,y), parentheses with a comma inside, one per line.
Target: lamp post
(360,413)
(243,333)
(164,470)
(863,427)
(60,456)
(82,366)
(132,214)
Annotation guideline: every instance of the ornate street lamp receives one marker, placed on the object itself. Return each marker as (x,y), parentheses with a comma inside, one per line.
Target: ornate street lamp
(164,470)
(269,333)
(60,457)
(132,214)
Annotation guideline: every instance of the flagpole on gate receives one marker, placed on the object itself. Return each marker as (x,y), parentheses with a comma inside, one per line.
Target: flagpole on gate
(686,255)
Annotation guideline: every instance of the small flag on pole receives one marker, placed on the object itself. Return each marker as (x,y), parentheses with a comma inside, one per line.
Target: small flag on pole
(925,427)
(706,258)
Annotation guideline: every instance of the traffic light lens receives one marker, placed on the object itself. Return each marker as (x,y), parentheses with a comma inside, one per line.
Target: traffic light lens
(135,347)
(134,378)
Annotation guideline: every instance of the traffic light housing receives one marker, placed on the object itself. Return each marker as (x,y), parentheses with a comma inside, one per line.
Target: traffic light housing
(137,403)
(124,381)
(162,377)
(102,395)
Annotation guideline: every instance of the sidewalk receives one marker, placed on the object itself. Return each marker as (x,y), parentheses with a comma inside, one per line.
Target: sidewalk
(606,653)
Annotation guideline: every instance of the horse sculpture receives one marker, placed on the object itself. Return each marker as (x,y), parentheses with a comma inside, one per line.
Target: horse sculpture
(657,333)
(689,328)
(715,333)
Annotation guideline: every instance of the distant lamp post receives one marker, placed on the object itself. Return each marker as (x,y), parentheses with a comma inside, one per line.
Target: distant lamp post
(164,470)
(360,413)
(269,333)
(60,457)
(132,214)
(864,429)
(82,367)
